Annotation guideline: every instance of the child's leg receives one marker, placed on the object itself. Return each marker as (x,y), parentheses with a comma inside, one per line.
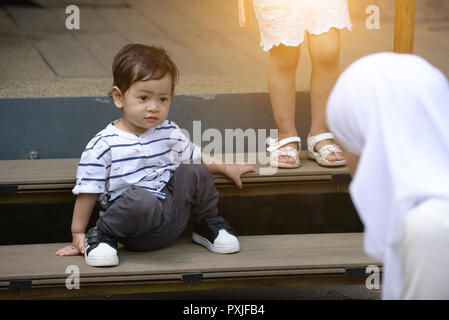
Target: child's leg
(324,51)
(282,65)
(194,191)
(137,213)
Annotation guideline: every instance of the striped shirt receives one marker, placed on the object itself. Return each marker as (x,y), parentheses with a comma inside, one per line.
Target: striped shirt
(114,160)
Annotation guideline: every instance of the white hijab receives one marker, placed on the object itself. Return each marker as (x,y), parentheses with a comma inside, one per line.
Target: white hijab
(393,111)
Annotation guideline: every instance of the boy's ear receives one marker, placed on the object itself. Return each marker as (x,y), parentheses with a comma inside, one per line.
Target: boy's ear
(117,97)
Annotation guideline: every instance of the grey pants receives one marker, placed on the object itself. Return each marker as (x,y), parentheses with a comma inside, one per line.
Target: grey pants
(143,222)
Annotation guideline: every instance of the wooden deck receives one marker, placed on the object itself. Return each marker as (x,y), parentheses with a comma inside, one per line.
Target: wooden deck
(33,271)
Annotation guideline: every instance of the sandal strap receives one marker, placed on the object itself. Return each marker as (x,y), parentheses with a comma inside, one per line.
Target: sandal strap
(327,149)
(313,140)
(285,151)
(274,144)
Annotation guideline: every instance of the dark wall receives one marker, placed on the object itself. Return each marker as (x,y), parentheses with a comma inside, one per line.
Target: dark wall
(255,215)
(61,127)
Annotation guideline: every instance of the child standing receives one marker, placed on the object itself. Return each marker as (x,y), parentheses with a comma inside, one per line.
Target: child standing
(137,164)
(283,25)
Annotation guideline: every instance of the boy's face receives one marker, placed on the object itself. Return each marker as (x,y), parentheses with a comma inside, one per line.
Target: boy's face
(145,104)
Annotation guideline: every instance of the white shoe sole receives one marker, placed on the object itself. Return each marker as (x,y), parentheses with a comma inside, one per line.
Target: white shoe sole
(214,248)
(101,262)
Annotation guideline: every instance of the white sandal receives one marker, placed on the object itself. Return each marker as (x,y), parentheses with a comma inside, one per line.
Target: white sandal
(321,155)
(277,149)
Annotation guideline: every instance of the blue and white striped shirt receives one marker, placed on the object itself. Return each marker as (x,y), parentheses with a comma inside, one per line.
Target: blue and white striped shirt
(114,160)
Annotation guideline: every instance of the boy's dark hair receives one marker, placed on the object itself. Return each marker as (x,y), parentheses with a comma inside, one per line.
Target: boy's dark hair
(138,62)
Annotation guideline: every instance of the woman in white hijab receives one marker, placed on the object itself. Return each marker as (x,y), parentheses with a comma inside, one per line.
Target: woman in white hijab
(390,113)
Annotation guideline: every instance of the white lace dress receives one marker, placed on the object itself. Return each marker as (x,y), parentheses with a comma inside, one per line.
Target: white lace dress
(286,21)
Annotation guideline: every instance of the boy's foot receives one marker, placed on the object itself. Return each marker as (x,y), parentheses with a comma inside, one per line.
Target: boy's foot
(216,235)
(100,249)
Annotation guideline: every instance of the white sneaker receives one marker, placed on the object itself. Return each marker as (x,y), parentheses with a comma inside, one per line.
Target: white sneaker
(100,249)
(216,235)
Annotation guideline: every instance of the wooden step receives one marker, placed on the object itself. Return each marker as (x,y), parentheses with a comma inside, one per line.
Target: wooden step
(183,265)
(44,178)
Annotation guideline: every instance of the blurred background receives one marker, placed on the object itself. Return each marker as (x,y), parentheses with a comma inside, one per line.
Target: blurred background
(39,56)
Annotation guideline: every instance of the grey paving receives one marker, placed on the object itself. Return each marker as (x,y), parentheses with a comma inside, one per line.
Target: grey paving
(39,56)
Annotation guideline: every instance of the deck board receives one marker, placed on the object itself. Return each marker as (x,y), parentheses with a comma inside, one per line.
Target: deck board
(259,256)
(63,171)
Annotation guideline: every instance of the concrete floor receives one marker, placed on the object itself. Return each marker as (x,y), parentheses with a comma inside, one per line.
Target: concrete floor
(39,56)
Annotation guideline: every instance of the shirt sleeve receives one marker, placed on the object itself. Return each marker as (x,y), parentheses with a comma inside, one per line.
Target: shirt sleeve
(93,168)
(183,150)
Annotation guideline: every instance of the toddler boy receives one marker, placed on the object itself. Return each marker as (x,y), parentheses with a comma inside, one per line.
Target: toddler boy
(138,165)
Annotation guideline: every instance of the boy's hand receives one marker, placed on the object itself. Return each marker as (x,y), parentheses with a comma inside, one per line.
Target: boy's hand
(235,171)
(77,246)
(232,171)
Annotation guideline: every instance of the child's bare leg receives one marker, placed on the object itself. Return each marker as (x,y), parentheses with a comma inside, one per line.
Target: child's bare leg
(324,51)
(283,61)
